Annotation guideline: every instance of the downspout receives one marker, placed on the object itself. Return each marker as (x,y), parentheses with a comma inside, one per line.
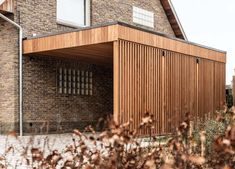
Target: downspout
(20,70)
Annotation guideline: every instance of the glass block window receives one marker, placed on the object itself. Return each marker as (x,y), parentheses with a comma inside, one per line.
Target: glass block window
(74,82)
(143,17)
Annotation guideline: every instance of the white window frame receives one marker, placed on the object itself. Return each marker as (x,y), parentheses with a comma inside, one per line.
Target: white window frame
(143,17)
(87,19)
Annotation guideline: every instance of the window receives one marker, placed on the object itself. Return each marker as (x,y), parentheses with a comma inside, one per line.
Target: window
(75,13)
(143,17)
(74,82)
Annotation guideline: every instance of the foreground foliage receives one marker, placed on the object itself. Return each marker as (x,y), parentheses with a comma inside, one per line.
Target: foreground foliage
(203,144)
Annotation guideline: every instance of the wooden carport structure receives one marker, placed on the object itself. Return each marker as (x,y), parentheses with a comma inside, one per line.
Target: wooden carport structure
(165,76)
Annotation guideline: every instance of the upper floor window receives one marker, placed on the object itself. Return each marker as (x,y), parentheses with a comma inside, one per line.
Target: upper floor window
(75,13)
(143,17)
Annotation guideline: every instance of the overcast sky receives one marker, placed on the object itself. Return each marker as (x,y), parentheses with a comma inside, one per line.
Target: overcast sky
(211,23)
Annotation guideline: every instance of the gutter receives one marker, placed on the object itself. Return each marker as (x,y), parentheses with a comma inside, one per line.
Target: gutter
(20,71)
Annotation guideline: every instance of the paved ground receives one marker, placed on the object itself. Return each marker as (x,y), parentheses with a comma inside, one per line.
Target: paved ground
(55,141)
(46,143)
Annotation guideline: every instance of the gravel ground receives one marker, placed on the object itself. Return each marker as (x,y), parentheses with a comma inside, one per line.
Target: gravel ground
(55,141)
(47,143)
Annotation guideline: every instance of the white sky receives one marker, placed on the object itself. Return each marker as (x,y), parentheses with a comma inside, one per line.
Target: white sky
(210,23)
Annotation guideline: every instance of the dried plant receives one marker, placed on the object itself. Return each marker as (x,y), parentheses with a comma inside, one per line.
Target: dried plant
(119,147)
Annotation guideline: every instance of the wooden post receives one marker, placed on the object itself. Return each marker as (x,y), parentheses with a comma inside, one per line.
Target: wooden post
(116,82)
(163,93)
(197,87)
(233,88)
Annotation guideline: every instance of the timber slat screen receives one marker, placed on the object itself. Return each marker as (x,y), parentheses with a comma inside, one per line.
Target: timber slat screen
(166,84)
(164,76)
(233,89)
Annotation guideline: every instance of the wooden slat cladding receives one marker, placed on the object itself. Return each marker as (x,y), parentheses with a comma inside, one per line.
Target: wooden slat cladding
(6,7)
(164,83)
(219,85)
(71,40)
(184,47)
(107,34)
(233,89)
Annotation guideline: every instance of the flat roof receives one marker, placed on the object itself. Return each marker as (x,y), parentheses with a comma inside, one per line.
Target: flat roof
(113,31)
(127,25)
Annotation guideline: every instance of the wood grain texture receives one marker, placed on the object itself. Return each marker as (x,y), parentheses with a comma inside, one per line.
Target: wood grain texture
(233,89)
(163,76)
(167,84)
(71,40)
(7,7)
(97,53)
(147,38)
(107,34)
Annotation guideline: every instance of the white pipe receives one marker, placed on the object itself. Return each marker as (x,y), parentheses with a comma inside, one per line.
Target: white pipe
(20,71)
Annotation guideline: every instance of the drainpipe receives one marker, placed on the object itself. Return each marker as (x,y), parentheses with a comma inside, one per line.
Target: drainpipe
(20,71)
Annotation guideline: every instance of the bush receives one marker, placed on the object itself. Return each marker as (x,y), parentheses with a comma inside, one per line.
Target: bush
(118,147)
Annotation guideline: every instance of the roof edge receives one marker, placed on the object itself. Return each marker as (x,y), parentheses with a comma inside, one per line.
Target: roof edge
(130,26)
(178,20)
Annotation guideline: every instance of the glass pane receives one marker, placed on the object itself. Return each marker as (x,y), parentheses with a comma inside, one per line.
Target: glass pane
(60,90)
(60,84)
(74,91)
(71,12)
(60,77)
(82,73)
(65,90)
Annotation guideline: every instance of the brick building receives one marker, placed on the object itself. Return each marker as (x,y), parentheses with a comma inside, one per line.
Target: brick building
(233,88)
(63,93)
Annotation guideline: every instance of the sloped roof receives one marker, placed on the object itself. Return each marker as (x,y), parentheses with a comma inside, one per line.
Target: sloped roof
(1,1)
(167,6)
(173,19)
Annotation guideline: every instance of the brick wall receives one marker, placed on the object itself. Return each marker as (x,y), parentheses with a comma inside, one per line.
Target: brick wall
(43,103)
(112,10)
(8,77)
(39,17)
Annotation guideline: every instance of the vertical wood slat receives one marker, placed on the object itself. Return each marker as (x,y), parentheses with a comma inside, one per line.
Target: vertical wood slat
(166,86)
(233,89)
(116,81)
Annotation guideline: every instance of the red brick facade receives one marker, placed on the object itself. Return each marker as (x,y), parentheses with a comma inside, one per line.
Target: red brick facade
(44,108)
